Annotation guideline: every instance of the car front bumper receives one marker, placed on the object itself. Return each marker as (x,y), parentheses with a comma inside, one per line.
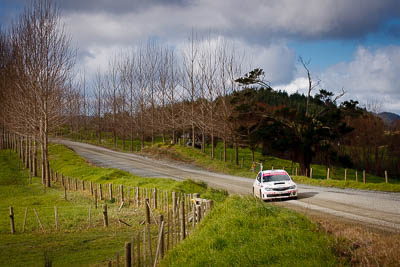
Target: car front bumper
(279,194)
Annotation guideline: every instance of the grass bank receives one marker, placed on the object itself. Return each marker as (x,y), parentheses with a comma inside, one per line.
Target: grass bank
(195,156)
(66,161)
(198,158)
(243,231)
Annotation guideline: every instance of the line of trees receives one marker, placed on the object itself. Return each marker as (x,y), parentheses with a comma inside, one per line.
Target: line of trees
(152,91)
(37,61)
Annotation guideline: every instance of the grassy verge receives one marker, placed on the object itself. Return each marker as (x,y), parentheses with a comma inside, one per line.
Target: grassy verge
(382,186)
(196,157)
(248,232)
(66,161)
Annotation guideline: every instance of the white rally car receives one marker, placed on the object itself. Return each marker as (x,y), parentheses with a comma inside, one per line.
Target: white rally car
(273,184)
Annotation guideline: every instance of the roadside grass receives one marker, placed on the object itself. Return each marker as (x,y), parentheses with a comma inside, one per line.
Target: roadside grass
(382,186)
(361,246)
(73,244)
(243,231)
(196,157)
(229,235)
(67,162)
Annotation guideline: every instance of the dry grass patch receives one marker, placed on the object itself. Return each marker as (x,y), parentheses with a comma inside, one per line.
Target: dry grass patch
(360,245)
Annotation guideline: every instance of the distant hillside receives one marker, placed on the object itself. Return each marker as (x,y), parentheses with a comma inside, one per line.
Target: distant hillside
(388,117)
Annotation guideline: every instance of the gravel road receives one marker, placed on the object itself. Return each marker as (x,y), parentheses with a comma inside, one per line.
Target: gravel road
(375,209)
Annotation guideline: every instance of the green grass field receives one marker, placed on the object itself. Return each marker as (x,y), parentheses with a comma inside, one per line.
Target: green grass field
(74,244)
(228,236)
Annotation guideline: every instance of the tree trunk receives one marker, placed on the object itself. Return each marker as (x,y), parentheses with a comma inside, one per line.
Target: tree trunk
(203,142)
(224,149)
(34,158)
(237,154)
(304,158)
(212,144)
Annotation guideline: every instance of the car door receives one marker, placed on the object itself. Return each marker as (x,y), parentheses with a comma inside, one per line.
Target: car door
(257,185)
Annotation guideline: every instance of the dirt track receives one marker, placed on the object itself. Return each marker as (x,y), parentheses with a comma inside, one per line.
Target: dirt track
(375,209)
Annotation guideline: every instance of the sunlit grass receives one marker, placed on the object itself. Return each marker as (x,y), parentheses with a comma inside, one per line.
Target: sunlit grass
(247,232)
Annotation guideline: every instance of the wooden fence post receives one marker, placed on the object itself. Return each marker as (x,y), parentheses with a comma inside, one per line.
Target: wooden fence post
(147,210)
(198,211)
(65,193)
(364,178)
(296,171)
(95,197)
(138,249)
(23,225)
(149,240)
(345,174)
(90,216)
(128,254)
(122,192)
(76,184)
(159,244)
(12,220)
(91,188)
(132,251)
(386,177)
(162,245)
(327,174)
(155,198)
(56,217)
(183,221)
(137,196)
(117,256)
(101,191)
(173,205)
(105,215)
(356,176)
(311,173)
(83,185)
(38,219)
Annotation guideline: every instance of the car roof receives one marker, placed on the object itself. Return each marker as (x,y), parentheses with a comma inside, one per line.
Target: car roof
(271,172)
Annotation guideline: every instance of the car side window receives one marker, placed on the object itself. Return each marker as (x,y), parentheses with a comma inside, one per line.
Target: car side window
(259,177)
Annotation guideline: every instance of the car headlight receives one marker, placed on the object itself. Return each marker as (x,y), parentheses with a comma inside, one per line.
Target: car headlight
(292,187)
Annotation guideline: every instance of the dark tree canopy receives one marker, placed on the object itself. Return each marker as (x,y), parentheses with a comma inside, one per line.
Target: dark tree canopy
(279,122)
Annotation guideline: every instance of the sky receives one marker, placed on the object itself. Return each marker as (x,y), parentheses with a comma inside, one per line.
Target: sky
(351,44)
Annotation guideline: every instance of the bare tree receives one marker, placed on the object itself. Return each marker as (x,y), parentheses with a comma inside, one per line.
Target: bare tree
(311,86)
(189,79)
(43,63)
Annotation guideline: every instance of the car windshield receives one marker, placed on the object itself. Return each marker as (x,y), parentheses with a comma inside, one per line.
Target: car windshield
(275,178)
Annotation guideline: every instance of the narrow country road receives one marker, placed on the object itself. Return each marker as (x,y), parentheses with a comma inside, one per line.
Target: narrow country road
(375,209)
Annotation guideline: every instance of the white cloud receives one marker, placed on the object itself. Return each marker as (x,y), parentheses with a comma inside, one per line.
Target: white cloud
(300,84)
(372,76)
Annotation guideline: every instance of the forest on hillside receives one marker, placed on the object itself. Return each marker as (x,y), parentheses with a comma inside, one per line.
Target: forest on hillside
(200,95)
